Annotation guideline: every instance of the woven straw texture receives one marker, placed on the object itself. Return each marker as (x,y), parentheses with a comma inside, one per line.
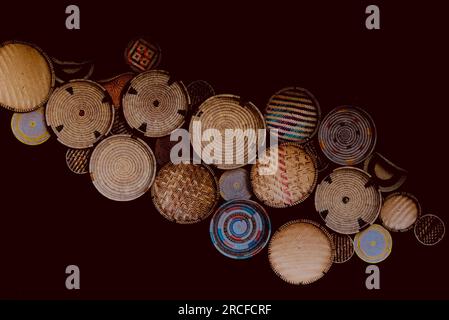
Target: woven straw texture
(294,113)
(388,176)
(240,229)
(69,70)
(199,91)
(347,200)
(321,161)
(344,247)
(223,112)
(301,252)
(235,184)
(80,113)
(154,104)
(347,135)
(26,77)
(142,55)
(30,128)
(400,211)
(122,167)
(291,182)
(374,244)
(429,229)
(185,193)
(77,160)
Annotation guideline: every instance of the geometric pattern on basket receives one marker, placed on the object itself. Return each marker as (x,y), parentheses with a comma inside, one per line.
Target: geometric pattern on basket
(429,229)
(400,211)
(30,128)
(77,160)
(293,181)
(234,184)
(142,55)
(185,193)
(347,135)
(347,200)
(295,113)
(344,247)
(374,244)
(240,229)
(301,252)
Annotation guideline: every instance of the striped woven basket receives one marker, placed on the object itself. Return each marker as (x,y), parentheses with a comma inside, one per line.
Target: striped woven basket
(77,160)
(344,247)
(429,229)
(400,211)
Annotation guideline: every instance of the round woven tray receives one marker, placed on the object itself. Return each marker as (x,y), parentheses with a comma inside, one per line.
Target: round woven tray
(344,247)
(235,184)
(347,200)
(240,229)
(301,252)
(77,160)
(185,193)
(429,229)
(347,135)
(400,211)
(122,167)
(294,113)
(373,244)
(142,55)
(154,104)
(80,113)
(26,77)
(223,112)
(199,91)
(30,128)
(69,70)
(293,180)
(387,175)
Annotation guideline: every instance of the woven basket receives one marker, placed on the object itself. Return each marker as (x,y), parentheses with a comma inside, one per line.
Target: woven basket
(347,135)
(235,185)
(240,229)
(387,175)
(70,70)
(30,128)
(185,193)
(294,113)
(291,183)
(223,112)
(344,247)
(374,244)
(301,252)
(26,77)
(400,211)
(77,160)
(321,161)
(155,105)
(199,91)
(142,55)
(429,229)
(115,86)
(122,167)
(80,113)
(162,149)
(347,200)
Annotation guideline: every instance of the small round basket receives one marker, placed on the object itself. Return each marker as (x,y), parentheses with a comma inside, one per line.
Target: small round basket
(77,160)
(30,128)
(344,247)
(235,185)
(142,55)
(400,211)
(374,244)
(429,229)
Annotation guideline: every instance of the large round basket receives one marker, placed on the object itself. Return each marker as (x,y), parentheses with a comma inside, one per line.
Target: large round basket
(347,200)
(26,77)
(77,160)
(229,113)
(80,113)
(429,229)
(301,252)
(347,135)
(400,211)
(387,175)
(235,184)
(142,55)
(373,244)
(122,167)
(185,193)
(154,104)
(285,176)
(30,128)
(240,229)
(293,114)
(344,247)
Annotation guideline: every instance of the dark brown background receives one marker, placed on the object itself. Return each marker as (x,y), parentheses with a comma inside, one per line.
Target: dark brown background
(50,218)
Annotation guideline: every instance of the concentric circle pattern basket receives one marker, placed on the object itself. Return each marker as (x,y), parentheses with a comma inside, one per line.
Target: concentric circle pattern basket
(344,247)
(400,211)
(77,160)
(26,77)
(287,181)
(374,244)
(347,200)
(122,167)
(429,229)
(185,193)
(301,252)
(223,112)
(347,135)
(80,113)
(235,184)
(30,128)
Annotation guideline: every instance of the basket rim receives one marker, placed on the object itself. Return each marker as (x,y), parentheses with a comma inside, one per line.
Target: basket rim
(388,240)
(351,242)
(87,150)
(20,114)
(411,197)
(228,172)
(442,223)
(368,163)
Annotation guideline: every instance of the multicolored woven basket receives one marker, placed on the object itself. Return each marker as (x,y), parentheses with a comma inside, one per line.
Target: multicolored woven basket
(142,55)
(30,128)
(374,244)
(235,184)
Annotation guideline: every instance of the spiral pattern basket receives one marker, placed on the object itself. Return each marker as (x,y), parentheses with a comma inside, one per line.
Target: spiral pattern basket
(235,184)
(122,167)
(374,244)
(301,252)
(400,211)
(294,113)
(142,55)
(240,229)
(347,200)
(80,113)
(30,128)
(26,76)
(347,135)
(288,181)
(154,104)
(344,247)
(387,175)
(77,160)
(199,91)
(66,71)
(223,112)
(185,193)
(429,229)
